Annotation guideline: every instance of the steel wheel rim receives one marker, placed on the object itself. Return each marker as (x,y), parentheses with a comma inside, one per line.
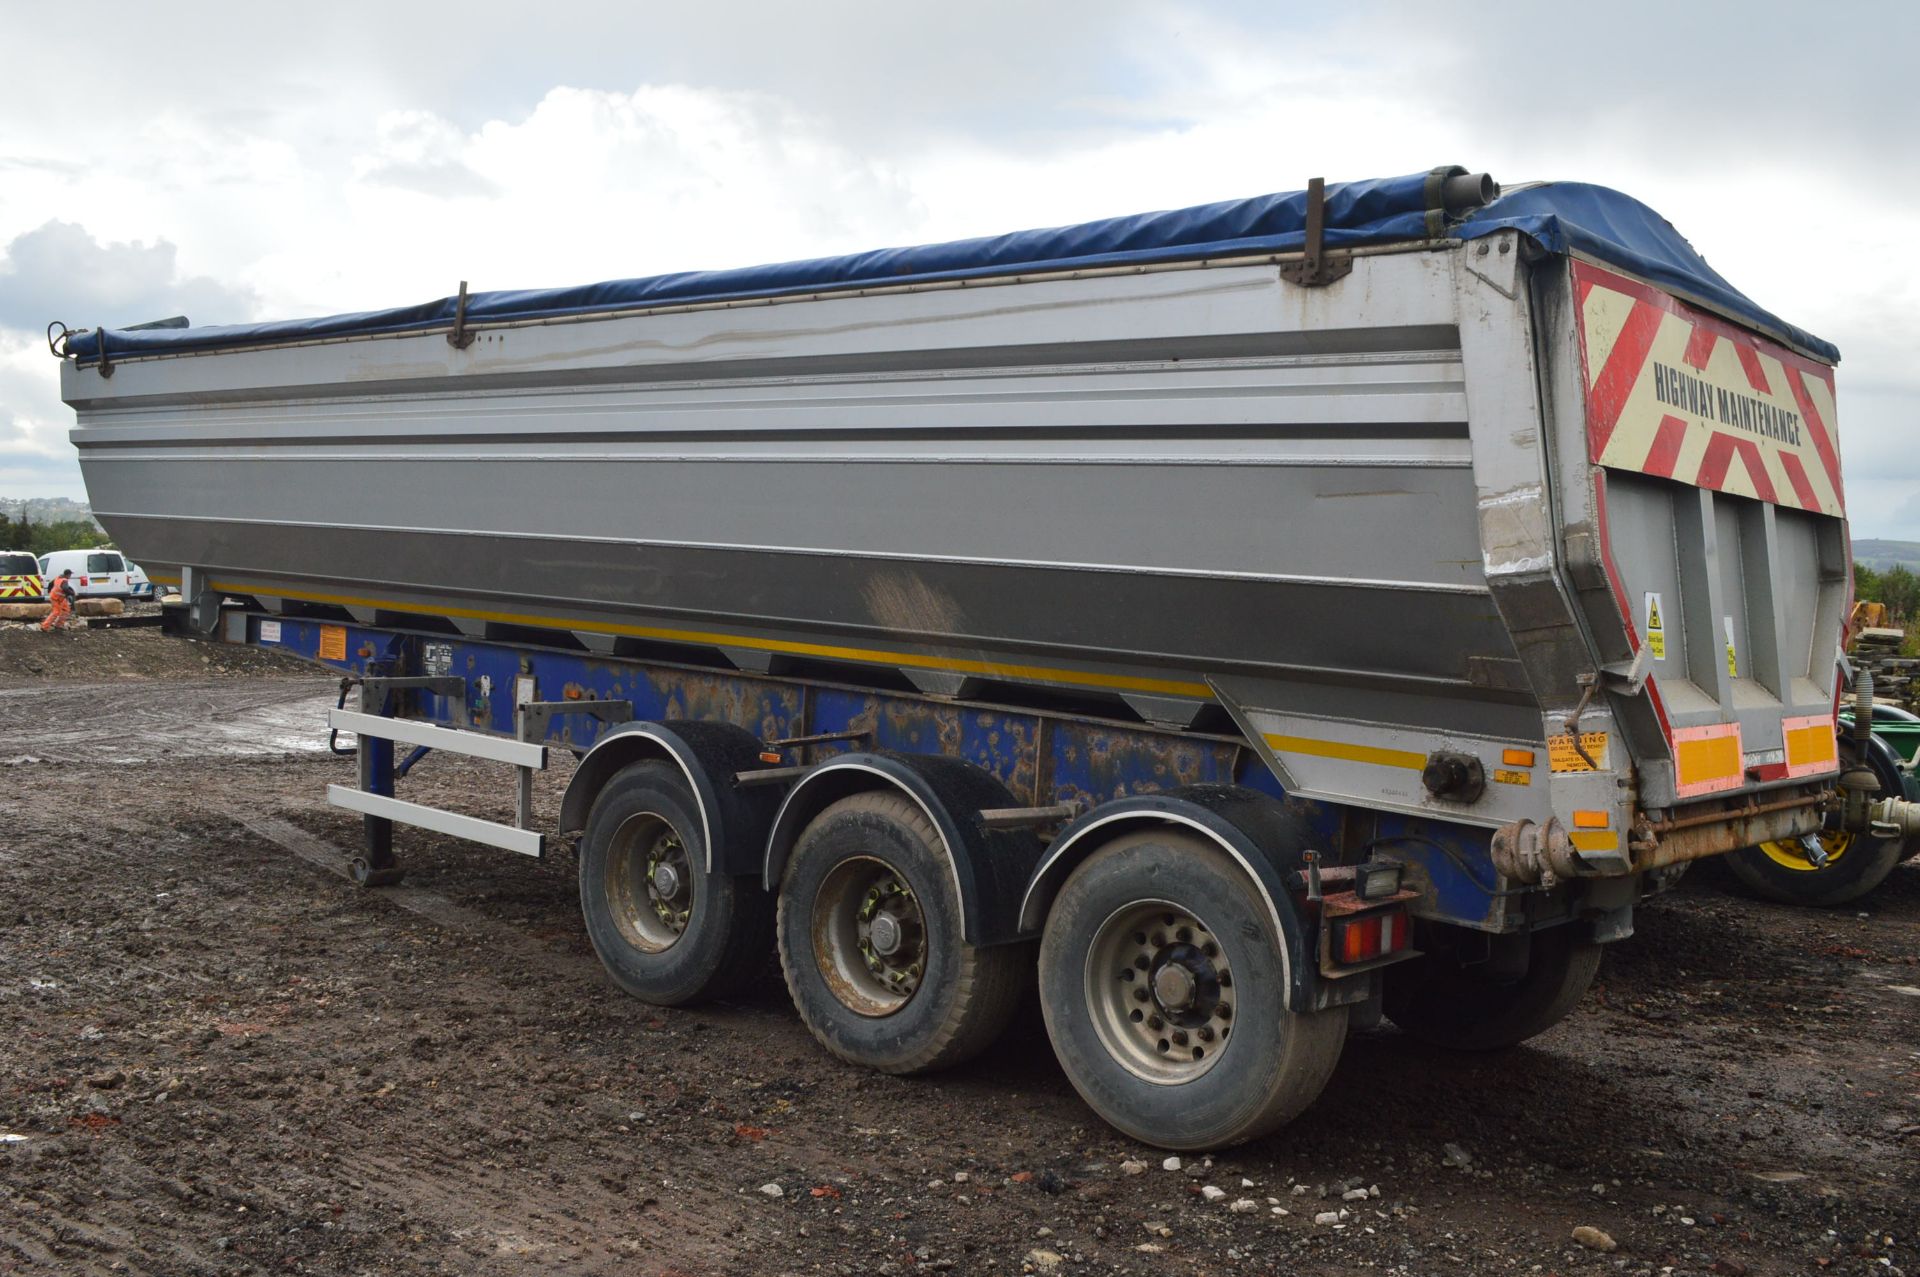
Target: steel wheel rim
(649,882)
(1160,992)
(869,936)
(1786,852)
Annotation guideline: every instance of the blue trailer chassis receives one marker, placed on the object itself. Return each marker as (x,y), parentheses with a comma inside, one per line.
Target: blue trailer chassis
(1043,757)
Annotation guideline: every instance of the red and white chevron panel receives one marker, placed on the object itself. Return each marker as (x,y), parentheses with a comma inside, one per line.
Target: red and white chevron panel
(1678,393)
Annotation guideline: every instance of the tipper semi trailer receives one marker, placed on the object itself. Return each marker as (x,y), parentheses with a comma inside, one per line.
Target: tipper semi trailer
(1256,619)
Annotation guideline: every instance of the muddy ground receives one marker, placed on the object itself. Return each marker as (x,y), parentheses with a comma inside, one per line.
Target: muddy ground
(219,1056)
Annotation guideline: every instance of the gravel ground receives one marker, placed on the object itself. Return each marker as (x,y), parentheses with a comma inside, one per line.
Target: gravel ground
(221,1057)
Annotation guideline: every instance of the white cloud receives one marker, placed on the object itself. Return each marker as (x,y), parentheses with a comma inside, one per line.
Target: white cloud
(60,271)
(35,458)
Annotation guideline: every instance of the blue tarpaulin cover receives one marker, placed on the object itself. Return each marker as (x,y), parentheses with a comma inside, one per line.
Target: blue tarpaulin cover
(1561,217)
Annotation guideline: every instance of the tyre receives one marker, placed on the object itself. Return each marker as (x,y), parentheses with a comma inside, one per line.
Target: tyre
(1469,1006)
(1856,863)
(1163,985)
(870,940)
(666,930)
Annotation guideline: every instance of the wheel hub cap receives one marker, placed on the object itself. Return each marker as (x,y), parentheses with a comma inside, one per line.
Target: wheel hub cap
(1160,993)
(666,881)
(1173,985)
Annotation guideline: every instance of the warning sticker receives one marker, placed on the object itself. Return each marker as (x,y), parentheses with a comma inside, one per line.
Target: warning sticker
(1562,756)
(1733,661)
(1656,627)
(269,631)
(1679,394)
(333,643)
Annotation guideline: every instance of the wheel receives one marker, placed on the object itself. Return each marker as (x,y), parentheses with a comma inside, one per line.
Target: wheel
(1463,1005)
(870,940)
(666,930)
(1164,991)
(1856,863)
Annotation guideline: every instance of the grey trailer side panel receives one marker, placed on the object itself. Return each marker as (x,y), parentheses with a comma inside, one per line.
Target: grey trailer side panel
(1051,482)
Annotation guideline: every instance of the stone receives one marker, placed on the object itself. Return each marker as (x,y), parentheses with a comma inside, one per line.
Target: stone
(1045,1261)
(1243,1206)
(1594,1239)
(1131,1167)
(773,1190)
(1213,1194)
(1171,1164)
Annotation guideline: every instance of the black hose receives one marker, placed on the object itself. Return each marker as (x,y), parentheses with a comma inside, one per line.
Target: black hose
(333,733)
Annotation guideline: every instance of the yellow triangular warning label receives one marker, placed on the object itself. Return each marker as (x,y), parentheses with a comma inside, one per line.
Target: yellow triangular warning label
(1653,616)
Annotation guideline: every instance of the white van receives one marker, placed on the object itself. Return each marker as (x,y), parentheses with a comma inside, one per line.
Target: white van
(97,574)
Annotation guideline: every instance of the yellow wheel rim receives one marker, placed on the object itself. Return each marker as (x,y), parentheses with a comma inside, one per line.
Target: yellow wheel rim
(1787,853)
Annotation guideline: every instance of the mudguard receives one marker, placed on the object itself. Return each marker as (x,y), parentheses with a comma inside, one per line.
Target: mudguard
(990,866)
(735,818)
(1256,829)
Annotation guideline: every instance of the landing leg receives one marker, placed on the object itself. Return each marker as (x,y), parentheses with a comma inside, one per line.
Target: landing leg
(377,868)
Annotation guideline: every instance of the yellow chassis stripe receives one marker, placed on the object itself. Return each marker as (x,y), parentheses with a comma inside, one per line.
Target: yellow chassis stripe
(1034,673)
(1350,753)
(1121,682)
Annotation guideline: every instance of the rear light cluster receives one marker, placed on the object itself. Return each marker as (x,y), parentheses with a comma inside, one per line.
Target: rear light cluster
(1371,935)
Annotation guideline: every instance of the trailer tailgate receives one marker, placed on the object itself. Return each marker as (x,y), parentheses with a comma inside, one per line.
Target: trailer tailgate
(1718,502)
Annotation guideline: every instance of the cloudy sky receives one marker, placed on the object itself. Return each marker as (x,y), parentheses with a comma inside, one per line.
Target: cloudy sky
(254,161)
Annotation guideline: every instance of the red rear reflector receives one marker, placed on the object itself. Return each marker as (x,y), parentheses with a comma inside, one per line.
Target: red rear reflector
(1370,936)
(1360,939)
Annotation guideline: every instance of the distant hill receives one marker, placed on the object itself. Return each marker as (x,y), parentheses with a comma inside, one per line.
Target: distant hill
(1881,555)
(47,510)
